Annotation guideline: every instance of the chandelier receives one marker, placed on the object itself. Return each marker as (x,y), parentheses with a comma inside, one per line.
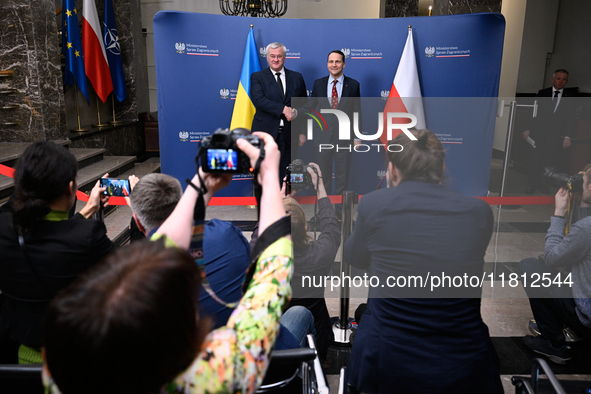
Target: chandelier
(264,8)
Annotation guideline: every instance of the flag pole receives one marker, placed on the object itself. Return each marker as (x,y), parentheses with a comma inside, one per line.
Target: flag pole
(98,112)
(253,193)
(114,121)
(79,129)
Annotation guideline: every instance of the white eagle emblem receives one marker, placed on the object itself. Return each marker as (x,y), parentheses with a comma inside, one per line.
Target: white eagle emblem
(184,135)
(385,94)
(263,52)
(180,47)
(224,93)
(429,51)
(346,51)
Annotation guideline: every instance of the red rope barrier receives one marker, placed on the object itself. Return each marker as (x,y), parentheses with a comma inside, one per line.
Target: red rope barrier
(236,201)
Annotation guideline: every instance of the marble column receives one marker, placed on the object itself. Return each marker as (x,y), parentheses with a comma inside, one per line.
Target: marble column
(33,96)
(452,7)
(401,8)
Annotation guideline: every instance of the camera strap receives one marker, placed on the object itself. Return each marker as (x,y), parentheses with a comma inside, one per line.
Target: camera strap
(280,228)
(258,190)
(196,248)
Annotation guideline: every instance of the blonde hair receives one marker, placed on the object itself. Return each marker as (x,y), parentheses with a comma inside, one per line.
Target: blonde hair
(299,235)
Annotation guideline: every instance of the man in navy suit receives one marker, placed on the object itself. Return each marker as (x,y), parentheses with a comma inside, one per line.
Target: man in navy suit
(271,91)
(335,91)
(551,131)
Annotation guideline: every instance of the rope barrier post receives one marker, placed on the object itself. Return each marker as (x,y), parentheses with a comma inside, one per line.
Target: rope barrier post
(508,144)
(510,128)
(342,328)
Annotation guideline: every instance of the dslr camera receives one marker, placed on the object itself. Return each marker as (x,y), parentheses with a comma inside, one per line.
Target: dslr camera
(298,177)
(562,180)
(220,154)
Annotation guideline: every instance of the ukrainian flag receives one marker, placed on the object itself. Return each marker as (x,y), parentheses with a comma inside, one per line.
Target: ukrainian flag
(243,107)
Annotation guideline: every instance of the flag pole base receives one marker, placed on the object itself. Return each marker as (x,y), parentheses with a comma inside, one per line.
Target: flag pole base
(100,125)
(115,121)
(78,130)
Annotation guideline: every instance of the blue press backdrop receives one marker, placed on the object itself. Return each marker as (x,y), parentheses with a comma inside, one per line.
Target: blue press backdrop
(199,59)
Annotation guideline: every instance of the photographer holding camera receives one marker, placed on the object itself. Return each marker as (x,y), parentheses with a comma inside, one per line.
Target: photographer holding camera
(132,324)
(567,258)
(312,257)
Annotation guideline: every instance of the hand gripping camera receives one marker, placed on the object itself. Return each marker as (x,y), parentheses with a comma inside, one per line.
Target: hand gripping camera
(563,180)
(298,177)
(220,154)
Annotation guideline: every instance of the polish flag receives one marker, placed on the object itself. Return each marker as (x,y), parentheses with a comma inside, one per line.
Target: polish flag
(95,57)
(405,93)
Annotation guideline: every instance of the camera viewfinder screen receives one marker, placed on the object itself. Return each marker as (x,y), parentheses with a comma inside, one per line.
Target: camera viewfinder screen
(116,187)
(222,159)
(297,178)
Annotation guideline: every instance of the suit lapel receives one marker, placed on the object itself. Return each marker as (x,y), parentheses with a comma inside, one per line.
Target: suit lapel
(287,85)
(345,92)
(324,89)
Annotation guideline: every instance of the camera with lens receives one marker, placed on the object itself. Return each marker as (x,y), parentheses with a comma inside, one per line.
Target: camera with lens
(562,180)
(298,177)
(220,154)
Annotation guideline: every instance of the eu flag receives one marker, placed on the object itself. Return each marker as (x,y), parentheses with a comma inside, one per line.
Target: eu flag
(72,48)
(111,41)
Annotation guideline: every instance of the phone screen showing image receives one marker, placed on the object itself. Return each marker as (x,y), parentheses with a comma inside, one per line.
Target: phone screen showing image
(116,187)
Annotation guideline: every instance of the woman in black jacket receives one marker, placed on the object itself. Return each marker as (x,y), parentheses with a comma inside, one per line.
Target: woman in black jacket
(42,250)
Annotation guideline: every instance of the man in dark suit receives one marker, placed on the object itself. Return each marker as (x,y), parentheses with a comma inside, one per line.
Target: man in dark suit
(551,131)
(271,91)
(335,91)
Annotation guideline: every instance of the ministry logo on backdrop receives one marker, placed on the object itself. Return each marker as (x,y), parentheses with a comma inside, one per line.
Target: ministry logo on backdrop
(180,47)
(385,94)
(224,93)
(263,51)
(362,53)
(184,136)
(447,51)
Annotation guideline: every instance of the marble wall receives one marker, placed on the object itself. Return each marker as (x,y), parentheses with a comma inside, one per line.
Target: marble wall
(34,95)
(401,8)
(29,46)
(452,7)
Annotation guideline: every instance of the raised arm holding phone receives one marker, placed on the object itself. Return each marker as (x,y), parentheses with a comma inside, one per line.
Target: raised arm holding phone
(159,286)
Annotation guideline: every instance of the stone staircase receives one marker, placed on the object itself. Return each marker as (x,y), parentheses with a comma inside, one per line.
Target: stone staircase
(92,165)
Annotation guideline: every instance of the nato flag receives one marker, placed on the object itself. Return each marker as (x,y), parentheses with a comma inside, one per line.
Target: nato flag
(111,41)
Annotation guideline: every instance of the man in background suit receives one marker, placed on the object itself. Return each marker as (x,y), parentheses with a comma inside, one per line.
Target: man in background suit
(271,91)
(551,131)
(334,92)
